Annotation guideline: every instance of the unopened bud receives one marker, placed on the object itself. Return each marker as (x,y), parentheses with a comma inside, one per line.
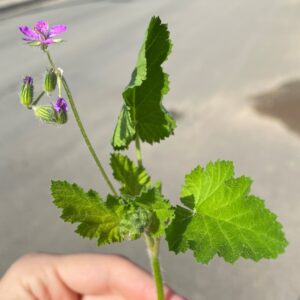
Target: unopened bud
(55,113)
(45,113)
(26,94)
(62,117)
(61,110)
(50,81)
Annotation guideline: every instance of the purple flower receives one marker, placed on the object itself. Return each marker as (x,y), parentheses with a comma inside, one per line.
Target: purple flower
(60,105)
(41,34)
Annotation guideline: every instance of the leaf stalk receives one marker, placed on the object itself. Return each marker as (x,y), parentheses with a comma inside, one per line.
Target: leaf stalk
(138,151)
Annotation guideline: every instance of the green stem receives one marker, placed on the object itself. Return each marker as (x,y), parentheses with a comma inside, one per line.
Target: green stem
(50,59)
(153,250)
(35,102)
(138,151)
(62,80)
(152,243)
(85,137)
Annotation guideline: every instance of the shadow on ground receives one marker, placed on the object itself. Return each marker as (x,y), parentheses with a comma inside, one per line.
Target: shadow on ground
(282,103)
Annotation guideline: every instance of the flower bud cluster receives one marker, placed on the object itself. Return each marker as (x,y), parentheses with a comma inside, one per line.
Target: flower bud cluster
(54,113)
(136,222)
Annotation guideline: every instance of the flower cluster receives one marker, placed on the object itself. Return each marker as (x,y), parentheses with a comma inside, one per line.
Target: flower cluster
(56,112)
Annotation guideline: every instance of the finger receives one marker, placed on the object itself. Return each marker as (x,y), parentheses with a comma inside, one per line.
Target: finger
(92,274)
(34,277)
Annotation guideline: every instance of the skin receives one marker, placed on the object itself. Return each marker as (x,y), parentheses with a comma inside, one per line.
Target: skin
(78,277)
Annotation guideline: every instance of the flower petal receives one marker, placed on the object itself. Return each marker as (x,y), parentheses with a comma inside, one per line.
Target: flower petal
(29,32)
(60,105)
(42,26)
(47,42)
(57,29)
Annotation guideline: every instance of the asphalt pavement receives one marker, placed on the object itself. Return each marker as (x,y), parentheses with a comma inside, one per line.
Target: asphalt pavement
(235,91)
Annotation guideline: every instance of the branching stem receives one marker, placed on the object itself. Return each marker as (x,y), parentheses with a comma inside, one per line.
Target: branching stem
(152,243)
(62,80)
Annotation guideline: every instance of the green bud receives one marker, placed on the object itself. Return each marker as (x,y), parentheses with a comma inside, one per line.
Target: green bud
(26,94)
(50,81)
(61,117)
(46,113)
(61,108)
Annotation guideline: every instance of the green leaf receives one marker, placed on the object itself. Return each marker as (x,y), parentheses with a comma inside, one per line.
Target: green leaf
(222,218)
(143,96)
(153,201)
(97,219)
(124,132)
(132,178)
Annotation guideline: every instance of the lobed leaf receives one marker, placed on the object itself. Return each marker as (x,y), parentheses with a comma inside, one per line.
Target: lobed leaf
(145,116)
(132,178)
(222,218)
(124,132)
(96,218)
(116,219)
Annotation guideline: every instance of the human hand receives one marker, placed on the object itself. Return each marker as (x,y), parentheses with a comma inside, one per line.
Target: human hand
(78,277)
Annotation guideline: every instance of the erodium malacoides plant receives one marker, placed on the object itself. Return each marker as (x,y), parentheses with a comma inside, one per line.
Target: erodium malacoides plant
(218,214)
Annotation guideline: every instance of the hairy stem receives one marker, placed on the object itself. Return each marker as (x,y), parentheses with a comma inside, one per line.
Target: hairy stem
(152,243)
(85,137)
(62,81)
(153,250)
(50,59)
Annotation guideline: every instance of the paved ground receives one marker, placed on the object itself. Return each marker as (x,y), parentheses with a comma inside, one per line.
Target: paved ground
(235,88)
(11,4)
